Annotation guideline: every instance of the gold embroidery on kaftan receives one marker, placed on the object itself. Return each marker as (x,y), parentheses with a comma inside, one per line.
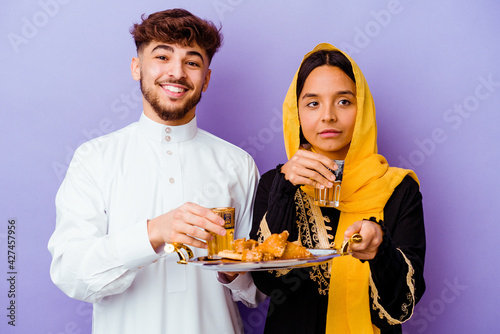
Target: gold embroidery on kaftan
(313,231)
(410,281)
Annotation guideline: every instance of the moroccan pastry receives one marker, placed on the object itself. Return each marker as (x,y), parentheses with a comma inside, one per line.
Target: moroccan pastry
(252,255)
(230,254)
(239,245)
(275,244)
(275,247)
(294,250)
(268,257)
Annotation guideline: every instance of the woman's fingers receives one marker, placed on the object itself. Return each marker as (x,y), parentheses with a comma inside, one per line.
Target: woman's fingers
(309,168)
(372,238)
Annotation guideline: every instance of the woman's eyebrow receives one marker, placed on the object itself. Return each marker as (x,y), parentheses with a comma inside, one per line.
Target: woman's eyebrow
(342,92)
(346,92)
(307,95)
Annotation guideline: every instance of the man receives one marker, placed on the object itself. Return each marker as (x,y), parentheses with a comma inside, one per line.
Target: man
(129,193)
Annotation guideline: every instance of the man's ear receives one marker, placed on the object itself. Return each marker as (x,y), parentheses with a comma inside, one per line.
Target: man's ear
(207,80)
(135,68)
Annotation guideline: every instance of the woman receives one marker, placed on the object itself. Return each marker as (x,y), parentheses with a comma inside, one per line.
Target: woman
(328,114)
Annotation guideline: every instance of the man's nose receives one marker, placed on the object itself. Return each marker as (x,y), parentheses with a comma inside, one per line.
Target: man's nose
(176,70)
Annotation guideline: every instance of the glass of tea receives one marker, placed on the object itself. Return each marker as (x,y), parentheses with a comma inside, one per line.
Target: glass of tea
(330,197)
(220,242)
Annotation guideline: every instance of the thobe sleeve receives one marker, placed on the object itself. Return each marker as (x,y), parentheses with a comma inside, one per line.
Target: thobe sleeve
(88,263)
(243,288)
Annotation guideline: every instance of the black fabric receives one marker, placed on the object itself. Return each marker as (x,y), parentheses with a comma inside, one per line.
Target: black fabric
(296,304)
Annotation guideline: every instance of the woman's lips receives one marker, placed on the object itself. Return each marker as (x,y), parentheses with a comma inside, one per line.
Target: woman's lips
(330,133)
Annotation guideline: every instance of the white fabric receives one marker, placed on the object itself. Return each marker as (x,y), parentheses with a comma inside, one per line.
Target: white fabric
(100,247)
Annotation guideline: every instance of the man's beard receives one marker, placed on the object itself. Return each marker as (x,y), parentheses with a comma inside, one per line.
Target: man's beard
(169,113)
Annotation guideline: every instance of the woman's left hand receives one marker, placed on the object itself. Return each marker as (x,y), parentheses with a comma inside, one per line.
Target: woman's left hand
(372,238)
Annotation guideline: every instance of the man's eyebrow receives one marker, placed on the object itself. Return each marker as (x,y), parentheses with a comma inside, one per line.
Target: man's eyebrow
(163,47)
(195,53)
(171,49)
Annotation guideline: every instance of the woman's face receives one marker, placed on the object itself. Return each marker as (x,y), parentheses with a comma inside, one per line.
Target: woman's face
(327,111)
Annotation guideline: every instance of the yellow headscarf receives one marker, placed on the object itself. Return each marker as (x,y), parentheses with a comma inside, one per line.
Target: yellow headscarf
(367,184)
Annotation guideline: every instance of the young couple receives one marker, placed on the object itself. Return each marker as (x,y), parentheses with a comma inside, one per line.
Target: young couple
(129,193)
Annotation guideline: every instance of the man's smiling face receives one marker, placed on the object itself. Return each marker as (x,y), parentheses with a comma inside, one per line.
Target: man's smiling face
(172,79)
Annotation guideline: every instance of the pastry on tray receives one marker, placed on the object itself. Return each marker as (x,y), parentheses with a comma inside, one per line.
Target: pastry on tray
(275,247)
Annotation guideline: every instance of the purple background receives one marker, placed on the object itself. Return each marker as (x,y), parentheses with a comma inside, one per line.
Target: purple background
(432,67)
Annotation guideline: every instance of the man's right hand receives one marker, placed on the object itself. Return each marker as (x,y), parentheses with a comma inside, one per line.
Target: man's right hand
(188,224)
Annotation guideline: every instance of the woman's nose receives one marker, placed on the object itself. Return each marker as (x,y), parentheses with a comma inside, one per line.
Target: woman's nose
(329,113)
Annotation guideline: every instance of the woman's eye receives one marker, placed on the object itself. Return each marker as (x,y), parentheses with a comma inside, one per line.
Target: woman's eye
(312,104)
(345,102)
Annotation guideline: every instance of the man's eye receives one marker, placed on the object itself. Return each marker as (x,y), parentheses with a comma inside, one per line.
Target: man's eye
(192,63)
(162,57)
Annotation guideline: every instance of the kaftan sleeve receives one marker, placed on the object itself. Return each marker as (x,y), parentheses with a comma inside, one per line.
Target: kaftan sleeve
(88,263)
(397,281)
(275,200)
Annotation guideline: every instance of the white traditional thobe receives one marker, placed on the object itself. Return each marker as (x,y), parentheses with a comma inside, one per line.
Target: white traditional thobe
(100,247)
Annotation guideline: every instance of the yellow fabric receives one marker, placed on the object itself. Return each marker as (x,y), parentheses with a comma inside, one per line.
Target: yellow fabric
(367,184)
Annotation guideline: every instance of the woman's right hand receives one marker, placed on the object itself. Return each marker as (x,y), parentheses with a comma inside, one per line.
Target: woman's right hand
(309,168)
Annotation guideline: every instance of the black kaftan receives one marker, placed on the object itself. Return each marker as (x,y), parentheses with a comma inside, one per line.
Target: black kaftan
(299,298)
